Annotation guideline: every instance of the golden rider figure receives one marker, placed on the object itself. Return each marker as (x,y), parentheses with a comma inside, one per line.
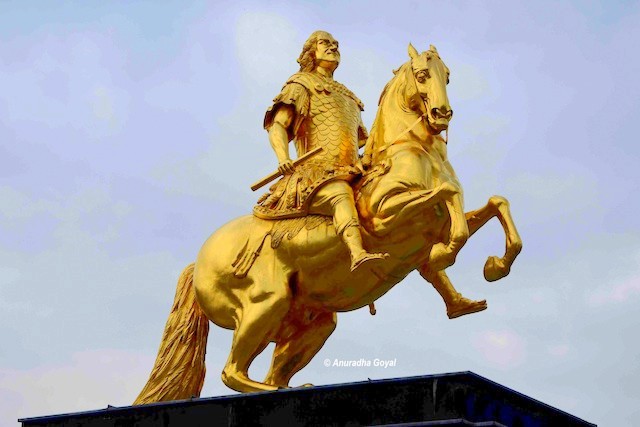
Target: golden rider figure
(315,111)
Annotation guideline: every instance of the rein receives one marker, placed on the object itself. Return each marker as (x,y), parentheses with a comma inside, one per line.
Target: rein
(403,133)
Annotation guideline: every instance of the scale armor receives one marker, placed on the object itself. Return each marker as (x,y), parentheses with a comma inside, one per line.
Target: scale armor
(333,123)
(327,116)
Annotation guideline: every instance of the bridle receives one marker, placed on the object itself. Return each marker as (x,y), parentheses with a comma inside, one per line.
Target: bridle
(424,116)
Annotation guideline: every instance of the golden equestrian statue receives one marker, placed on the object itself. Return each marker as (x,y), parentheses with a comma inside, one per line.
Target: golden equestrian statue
(335,233)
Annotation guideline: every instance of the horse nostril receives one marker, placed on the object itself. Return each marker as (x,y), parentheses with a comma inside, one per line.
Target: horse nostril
(442,112)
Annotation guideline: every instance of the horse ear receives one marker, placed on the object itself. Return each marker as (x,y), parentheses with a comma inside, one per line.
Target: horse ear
(433,49)
(413,53)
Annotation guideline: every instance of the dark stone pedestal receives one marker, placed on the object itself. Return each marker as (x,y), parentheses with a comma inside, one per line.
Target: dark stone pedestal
(457,399)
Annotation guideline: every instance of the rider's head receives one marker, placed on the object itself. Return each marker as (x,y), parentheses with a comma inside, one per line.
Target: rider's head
(320,49)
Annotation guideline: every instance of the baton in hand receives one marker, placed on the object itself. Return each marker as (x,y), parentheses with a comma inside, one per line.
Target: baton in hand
(267,179)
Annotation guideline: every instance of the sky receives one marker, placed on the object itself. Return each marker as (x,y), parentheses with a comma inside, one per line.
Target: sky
(130,131)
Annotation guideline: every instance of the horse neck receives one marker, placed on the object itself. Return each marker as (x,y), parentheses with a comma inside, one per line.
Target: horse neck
(393,118)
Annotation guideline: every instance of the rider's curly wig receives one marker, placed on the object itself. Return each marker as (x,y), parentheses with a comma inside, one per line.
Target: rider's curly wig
(307,58)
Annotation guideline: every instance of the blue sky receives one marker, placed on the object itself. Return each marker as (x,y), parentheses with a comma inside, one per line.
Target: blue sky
(130,132)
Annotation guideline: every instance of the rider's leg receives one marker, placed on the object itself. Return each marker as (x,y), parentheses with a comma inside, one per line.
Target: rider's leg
(296,350)
(457,305)
(336,199)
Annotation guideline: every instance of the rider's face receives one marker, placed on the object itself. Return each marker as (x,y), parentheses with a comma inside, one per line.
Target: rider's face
(327,52)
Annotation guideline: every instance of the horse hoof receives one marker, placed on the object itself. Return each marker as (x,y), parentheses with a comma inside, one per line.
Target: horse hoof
(495,269)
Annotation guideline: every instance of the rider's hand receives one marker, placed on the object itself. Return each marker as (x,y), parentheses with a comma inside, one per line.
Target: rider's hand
(366,161)
(286,167)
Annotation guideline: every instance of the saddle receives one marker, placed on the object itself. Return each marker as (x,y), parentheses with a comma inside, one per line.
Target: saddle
(277,230)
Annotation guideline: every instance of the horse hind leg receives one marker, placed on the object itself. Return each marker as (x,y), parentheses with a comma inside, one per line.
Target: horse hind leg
(259,322)
(301,343)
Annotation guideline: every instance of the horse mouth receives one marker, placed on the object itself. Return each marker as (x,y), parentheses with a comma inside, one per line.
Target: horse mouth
(437,124)
(439,127)
(438,118)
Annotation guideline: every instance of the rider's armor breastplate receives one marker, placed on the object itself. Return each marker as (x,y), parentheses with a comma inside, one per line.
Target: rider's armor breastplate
(328,116)
(334,119)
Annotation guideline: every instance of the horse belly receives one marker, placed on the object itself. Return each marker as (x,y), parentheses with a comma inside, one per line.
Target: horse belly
(323,279)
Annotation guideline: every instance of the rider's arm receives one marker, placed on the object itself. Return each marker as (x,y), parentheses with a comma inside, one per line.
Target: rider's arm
(363,135)
(279,137)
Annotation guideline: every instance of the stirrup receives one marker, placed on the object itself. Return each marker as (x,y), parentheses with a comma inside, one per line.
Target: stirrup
(367,257)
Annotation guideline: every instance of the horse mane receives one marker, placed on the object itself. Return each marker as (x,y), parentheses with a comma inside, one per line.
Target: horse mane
(396,84)
(396,87)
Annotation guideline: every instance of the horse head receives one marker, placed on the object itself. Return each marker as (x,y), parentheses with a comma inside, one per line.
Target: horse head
(417,93)
(431,77)
(407,154)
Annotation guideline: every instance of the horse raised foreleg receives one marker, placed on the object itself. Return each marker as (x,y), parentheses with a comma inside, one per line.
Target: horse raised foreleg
(406,205)
(457,305)
(301,343)
(444,254)
(496,268)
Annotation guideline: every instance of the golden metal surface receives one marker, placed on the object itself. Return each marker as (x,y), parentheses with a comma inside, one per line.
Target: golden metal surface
(282,274)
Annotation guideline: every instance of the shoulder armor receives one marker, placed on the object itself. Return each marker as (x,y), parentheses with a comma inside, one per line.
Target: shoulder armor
(312,82)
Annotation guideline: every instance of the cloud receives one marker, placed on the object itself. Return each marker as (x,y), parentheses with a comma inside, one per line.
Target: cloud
(559,350)
(502,348)
(17,206)
(267,48)
(88,380)
(103,105)
(621,293)
(550,193)
(20,212)
(619,284)
(467,82)
(69,74)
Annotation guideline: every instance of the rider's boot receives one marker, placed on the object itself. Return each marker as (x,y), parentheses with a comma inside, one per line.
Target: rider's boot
(457,305)
(353,239)
(460,306)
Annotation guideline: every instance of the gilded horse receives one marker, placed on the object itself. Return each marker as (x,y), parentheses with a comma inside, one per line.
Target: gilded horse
(410,203)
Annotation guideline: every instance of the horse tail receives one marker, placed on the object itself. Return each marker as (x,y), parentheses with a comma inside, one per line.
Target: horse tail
(179,370)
